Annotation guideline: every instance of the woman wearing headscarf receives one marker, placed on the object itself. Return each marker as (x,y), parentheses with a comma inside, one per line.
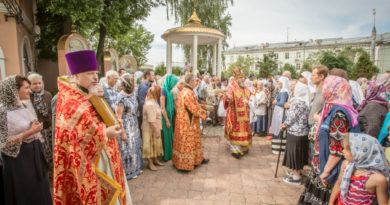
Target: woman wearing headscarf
(365,172)
(373,110)
(357,93)
(151,128)
(130,141)
(24,164)
(41,100)
(168,112)
(278,114)
(338,118)
(296,123)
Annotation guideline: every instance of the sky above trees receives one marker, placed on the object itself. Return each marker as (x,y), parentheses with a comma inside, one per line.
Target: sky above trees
(260,21)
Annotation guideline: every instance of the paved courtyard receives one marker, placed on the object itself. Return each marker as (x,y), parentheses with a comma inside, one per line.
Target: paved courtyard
(225,180)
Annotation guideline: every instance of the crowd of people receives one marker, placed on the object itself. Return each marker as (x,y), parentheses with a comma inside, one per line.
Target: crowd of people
(61,150)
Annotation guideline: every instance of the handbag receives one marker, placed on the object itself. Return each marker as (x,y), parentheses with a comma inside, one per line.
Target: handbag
(312,132)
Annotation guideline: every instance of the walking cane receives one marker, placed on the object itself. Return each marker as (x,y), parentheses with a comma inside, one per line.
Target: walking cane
(280,136)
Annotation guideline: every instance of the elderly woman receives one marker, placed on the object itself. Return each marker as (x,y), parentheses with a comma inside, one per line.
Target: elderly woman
(168,111)
(278,113)
(41,100)
(338,118)
(130,141)
(373,110)
(24,164)
(297,147)
(151,128)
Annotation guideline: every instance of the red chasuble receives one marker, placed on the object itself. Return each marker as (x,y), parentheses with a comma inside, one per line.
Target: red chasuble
(237,126)
(79,141)
(187,140)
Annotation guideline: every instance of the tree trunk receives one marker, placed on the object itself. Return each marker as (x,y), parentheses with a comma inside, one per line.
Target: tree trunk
(67,25)
(100,49)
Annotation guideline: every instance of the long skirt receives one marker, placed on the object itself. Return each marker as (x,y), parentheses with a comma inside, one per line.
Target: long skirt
(131,149)
(260,125)
(277,119)
(315,192)
(269,118)
(25,176)
(152,146)
(221,109)
(295,156)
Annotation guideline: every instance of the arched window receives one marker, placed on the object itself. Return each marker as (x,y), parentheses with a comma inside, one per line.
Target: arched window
(27,60)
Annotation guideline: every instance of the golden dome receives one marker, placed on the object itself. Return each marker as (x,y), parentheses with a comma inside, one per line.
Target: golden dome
(182,35)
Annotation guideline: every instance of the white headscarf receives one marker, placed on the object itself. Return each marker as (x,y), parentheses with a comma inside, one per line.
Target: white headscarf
(357,91)
(307,75)
(286,84)
(301,92)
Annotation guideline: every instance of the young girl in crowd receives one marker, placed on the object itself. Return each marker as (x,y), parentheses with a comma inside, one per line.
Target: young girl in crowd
(365,172)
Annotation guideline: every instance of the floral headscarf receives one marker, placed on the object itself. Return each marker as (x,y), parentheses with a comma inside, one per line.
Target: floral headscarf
(336,91)
(367,155)
(376,92)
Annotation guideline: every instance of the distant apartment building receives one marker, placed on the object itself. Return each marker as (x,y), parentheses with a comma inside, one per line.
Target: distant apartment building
(296,52)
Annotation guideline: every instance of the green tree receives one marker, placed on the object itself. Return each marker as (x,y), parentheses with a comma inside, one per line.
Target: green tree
(135,42)
(332,60)
(213,14)
(242,62)
(160,69)
(102,18)
(364,67)
(291,68)
(176,70)
(306,67)
(267,65)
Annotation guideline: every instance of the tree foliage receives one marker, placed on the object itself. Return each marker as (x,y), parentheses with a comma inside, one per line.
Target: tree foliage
(176,70)
(242,62)
(291,68)
(97,20)
(160,69)
(306,67)
(135,42)
(267,66)
(343,59)
(332,60)
(364,67)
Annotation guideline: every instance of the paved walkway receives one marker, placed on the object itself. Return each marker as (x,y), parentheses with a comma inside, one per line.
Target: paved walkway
(225,180)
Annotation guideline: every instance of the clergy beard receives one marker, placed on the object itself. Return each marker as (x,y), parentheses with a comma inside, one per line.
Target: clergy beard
(241,84)
(93,89)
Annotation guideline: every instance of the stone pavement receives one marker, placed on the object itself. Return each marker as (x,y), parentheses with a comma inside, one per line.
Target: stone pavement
(224,180)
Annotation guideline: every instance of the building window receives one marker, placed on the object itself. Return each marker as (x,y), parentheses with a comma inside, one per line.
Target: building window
(231,58)
(298,66)
(286,55)
(298,54)
(276,56)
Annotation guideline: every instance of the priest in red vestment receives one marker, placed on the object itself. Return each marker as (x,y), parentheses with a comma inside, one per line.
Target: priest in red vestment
(187,140)
(237,126)
(87,162)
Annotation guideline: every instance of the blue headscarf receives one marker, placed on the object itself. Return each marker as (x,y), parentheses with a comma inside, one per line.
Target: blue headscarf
(367,155)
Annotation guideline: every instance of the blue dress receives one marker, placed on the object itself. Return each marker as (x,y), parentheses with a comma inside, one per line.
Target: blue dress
(130,149)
